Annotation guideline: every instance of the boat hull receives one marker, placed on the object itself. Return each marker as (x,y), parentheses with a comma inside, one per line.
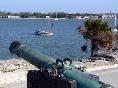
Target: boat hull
(44,33)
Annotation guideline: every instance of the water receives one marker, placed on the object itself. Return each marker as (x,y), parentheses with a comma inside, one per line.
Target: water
(66,41)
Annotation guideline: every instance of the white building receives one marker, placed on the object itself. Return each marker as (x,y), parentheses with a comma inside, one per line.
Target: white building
(78,17)
(104,16)
(86,17)
(10,16)
(48,17)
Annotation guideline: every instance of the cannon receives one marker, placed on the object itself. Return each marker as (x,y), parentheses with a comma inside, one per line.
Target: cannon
(40,60)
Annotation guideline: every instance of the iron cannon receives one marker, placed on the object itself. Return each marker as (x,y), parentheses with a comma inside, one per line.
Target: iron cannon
(40,60)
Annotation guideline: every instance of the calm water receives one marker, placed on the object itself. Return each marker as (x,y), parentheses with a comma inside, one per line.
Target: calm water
(65,42)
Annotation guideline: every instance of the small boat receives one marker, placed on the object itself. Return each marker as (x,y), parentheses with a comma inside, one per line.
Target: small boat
(47,30)
(43,33)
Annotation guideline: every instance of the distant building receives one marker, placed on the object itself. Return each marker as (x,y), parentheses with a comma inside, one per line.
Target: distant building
(3,16)
(78,17)
(112,16)
(104,16)
(10,16)
(94,17)
(86,17)
(47,17)
(32,17)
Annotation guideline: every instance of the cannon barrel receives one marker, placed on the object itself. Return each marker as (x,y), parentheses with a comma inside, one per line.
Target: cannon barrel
(40,60)
(35,58)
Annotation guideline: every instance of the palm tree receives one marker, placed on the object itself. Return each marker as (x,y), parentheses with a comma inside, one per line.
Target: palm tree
(99,33)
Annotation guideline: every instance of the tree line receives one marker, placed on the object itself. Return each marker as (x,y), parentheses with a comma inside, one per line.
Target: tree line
(4,14)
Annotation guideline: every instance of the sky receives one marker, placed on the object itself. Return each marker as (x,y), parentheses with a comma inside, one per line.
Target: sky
(70,6)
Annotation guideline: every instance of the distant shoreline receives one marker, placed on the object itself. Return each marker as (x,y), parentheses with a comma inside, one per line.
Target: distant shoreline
(34,18)
(48,18)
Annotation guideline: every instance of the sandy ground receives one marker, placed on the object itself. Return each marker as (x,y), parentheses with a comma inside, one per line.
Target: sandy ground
(22,84)
(13,73)
(109,76)
(13,77)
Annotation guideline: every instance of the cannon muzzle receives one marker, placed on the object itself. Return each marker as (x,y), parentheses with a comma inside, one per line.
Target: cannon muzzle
(37,59)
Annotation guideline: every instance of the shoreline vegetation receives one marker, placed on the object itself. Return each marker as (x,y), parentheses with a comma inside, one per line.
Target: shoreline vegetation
(4,14)
(33,18)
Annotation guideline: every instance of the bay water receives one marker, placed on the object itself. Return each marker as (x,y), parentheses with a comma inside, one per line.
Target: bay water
(65,43)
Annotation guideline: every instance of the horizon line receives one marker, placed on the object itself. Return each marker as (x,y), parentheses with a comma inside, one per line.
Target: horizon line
(61,11)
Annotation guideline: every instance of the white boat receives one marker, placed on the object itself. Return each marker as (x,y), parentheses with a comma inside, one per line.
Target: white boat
(47,30)
(43,33)
(115,29)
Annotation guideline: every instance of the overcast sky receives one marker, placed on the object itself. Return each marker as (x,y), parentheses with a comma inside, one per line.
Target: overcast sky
(70,6)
